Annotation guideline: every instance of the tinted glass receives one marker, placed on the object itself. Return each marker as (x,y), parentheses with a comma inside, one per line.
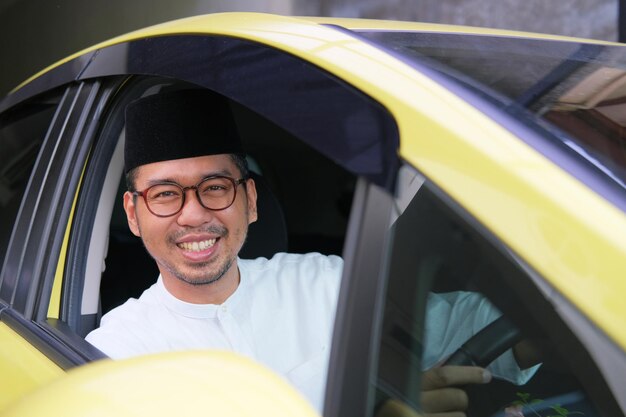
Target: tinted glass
(22,131)
(445,284)
(573,93)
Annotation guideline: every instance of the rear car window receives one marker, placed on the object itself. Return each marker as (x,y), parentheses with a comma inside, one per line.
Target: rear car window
(22,131)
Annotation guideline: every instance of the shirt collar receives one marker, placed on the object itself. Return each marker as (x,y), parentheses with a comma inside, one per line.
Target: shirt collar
(201,311)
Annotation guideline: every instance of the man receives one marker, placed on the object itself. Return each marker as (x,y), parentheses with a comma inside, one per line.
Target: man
(191,201)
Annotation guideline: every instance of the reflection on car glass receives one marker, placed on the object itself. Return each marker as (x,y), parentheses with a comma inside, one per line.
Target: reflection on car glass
(446,286)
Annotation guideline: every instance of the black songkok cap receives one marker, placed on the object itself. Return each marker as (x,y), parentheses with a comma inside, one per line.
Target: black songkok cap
(176,125)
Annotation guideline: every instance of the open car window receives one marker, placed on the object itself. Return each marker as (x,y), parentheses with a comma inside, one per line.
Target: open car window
(445,282)
(302,194)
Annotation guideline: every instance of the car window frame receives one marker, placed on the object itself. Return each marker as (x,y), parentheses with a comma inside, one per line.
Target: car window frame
(352,358)
(596,356)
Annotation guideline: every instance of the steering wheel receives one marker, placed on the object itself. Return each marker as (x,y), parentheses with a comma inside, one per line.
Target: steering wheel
(486,345)
(480,350)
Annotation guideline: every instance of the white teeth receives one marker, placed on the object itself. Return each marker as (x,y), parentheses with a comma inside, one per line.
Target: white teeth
(197,246)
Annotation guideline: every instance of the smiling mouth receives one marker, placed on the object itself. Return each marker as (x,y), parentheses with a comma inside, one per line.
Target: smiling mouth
(197,246)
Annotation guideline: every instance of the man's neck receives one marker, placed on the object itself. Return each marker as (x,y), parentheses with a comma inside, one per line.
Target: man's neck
(214,293)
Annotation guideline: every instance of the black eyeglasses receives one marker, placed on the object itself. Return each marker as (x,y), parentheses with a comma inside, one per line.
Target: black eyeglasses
(168,198)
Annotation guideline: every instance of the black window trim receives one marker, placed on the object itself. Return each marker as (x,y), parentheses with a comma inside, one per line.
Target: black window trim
(360,303)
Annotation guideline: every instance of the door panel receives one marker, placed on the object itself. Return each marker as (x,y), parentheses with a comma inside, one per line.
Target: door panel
(22,366)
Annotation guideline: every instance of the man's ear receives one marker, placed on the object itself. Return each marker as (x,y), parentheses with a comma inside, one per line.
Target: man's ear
(251,194)
(131,215)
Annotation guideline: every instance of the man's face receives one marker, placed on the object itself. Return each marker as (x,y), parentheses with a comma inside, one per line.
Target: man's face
(196,245)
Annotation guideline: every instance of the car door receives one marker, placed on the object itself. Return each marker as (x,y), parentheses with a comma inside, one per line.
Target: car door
(446,278)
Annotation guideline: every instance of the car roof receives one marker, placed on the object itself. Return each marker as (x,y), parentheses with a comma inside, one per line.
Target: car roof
(226,24)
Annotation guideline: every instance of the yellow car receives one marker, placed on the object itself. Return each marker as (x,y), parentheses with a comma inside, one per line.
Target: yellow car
(436,160)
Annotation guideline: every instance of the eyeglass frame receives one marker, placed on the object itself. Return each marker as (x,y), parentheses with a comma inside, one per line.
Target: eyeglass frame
(236,184)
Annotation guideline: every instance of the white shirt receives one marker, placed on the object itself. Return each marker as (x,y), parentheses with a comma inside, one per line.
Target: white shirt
(281,315)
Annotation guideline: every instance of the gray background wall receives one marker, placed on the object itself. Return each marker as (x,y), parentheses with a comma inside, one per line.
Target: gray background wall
(36,33)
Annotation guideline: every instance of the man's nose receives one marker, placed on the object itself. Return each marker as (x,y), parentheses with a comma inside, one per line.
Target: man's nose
(193,213)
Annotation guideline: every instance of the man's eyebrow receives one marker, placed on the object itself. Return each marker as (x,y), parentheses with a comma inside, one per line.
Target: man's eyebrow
(155,181)
(225,172)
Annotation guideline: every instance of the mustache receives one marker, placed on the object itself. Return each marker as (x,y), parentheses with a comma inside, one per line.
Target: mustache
(218,230)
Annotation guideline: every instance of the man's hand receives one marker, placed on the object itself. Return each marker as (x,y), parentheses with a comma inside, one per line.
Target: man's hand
(442,392)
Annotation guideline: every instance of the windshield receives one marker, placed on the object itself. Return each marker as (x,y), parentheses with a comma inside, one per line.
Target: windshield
(574,93)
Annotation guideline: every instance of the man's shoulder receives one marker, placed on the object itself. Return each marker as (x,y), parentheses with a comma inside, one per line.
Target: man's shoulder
(293,262)
(306,285)
(294,271)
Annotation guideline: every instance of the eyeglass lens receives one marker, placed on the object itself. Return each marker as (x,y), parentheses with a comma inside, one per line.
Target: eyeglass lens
(215,193)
